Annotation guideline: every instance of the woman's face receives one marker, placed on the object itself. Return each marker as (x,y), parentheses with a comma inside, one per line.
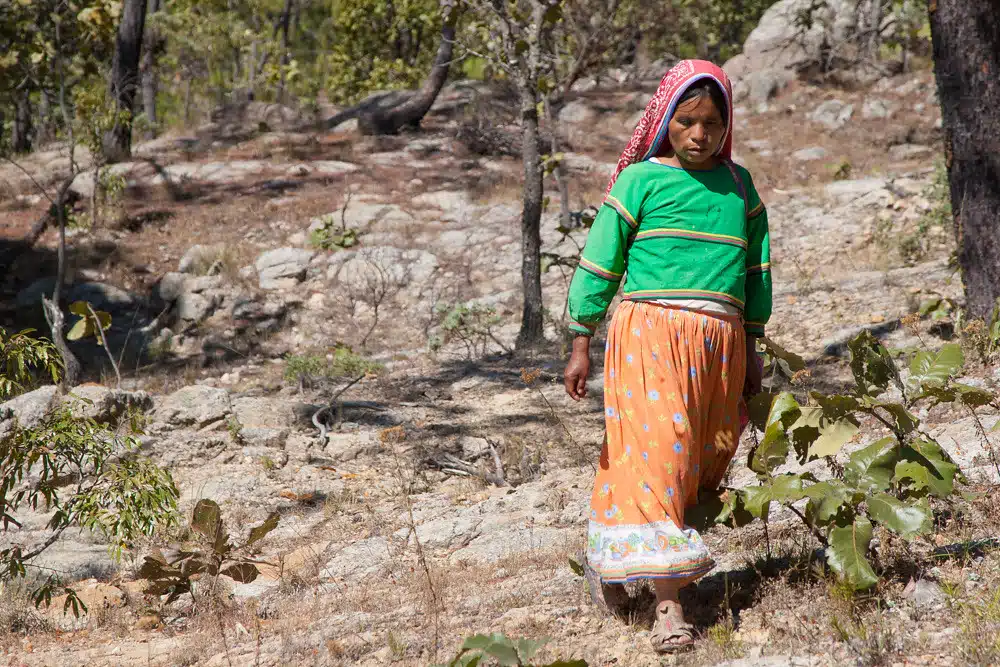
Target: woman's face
(696,130)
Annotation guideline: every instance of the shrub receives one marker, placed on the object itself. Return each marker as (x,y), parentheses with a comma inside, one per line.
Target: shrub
(87,474)
(308,369)
(471,324)
(889,482)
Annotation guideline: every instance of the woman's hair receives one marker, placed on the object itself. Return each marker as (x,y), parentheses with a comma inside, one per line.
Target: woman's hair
(710,88)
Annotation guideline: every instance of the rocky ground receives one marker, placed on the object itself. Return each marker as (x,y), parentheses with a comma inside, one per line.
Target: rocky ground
(213,268)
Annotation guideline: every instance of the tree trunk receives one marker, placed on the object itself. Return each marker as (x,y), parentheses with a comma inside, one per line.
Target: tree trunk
(125,78)
(531,219)
(412,111)
(150,79)
(966,42)
(20,138)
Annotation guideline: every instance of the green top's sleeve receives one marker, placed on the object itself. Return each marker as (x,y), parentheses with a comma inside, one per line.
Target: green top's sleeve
(602,264)
(758,285)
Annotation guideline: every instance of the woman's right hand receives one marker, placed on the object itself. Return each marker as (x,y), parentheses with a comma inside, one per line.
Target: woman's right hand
(578,368)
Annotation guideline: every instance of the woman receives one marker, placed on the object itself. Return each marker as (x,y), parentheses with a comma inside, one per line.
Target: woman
(688,226)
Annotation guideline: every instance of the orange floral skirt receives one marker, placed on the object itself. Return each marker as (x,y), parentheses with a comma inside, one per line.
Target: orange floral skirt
(673,379)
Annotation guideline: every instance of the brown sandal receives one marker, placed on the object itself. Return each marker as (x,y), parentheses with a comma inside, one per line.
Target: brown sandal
(670,634)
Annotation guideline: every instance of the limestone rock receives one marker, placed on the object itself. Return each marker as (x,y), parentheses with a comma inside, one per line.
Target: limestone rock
(875,109)
(28,408)
(104,404)
(283,267)
(832,114)
(197,405)
(199,258)
(578,113)
(362,558)
(809,154)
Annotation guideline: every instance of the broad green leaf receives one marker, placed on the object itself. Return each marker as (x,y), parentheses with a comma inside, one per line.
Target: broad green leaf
(258,532)
(872,468)
(974,397)
(930,369)
(503,652)
(577,567)
(847,553)
(80,329)
(790,488)
(832,438)
(927,467)
(241,572)
(906,519)
(527,648)
(835,406)
(476,643)
(794,362)
(929,305)
(872,365)
(759,407)
(825,501)
(919,478)
(81,308)
(773,449)
(207,518)
(757,500)
(905,421)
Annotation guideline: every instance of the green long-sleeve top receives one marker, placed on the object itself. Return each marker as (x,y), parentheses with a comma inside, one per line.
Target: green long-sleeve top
(676,234)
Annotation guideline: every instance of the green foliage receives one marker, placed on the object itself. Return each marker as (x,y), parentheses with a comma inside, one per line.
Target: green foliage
(210,552)
(329,235)
(114,491)
(504,651)
(886,483)
(378,45)
(21,357)
(307,369)
(471,324)
(712,29)
(91,323)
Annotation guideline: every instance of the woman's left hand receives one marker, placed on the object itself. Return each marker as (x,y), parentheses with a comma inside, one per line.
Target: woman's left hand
(755,380)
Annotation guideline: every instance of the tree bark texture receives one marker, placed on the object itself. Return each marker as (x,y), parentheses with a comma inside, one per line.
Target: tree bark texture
(20,137)
(966,42)
(413,110)
(150,77)
(531,219)
(285,23)
(125,78)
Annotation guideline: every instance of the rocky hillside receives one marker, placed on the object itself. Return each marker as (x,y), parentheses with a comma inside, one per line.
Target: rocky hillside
(231,297)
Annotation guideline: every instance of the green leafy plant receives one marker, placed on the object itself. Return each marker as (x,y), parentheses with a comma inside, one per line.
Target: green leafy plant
(888,482)
(308,369)
(329,235)
(90,477)
(174,572)
(22,357)
(471,324)
(478,649)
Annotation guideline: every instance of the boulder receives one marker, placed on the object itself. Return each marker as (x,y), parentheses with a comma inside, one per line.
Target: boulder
(283,267)
(195,405)
(104,404)
(875,108)
(577,113)
(780,46)
(362,558)
(809,154)
(832,114)
(28,409)
(199,258)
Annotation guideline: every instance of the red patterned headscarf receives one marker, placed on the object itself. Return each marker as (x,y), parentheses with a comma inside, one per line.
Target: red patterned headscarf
(651,131)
